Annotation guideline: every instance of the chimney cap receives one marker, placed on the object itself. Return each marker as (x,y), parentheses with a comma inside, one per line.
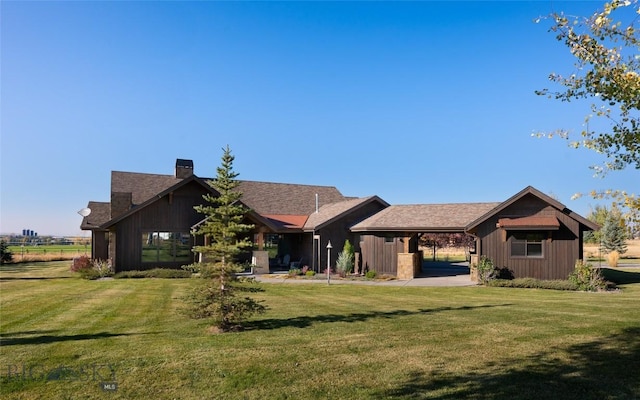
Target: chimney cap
(180,162)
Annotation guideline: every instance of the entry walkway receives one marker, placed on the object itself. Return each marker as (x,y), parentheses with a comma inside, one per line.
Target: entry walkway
(433,274)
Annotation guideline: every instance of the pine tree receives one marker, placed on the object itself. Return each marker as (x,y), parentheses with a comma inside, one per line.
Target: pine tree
(220,297)
(5,254)
(613,234)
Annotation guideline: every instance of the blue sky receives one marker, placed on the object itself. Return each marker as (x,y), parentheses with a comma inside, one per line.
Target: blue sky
(417,102)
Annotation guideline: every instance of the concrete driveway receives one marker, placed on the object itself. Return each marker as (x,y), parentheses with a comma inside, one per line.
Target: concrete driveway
(433,274)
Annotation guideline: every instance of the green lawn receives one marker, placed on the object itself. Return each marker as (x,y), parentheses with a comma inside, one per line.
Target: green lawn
(62,336)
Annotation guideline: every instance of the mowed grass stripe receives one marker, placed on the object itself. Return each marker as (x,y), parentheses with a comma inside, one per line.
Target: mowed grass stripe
(338,341)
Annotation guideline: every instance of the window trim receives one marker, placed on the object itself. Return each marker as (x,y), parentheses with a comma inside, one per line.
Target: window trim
(526,242)
(156,249)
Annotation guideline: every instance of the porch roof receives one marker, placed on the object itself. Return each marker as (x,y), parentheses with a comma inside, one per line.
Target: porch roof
(284,222)
(424,218)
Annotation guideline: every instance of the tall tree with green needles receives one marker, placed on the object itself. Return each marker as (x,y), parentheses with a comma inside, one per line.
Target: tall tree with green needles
(221,296)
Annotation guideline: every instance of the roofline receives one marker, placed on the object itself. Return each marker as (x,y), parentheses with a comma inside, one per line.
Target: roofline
(155,198)
(368,200)
(412,230)
(531,190)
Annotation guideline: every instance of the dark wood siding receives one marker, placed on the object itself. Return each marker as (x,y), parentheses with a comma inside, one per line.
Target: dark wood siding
(99,245)
(380,253)
(172,213)
(561,248)
(338,232)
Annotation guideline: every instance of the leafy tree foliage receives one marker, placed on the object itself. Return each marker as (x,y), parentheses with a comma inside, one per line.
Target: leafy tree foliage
(5,254)
(606,46)
(437,241)
(599,214)
(221,295)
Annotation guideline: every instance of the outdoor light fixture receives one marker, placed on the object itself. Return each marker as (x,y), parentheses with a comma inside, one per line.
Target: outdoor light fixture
(329,247)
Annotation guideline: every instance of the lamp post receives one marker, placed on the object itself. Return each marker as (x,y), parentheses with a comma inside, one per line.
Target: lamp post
(329,247)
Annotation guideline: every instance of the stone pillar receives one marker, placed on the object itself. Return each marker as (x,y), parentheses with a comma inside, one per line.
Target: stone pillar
(473,267)
(112,250)
(406,266)
(260,261)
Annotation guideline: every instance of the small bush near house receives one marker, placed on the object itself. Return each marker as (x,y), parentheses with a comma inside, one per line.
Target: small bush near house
(295,272)
(531,283)
(162,273)
(91,269)
(613,258)
(310,273)
(486,270)
(344,263)
(587,277)
(370,274)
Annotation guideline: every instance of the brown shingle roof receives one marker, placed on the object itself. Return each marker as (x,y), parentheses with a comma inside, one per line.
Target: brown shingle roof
(424,217)
(262,197)
(100,213)
(329,212)
(142,186)
(269,198)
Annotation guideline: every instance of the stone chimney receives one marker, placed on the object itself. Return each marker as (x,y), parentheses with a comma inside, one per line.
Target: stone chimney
(120,203)
(184,168)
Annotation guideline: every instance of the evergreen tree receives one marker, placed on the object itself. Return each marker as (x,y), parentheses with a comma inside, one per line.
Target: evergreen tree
(599,215)
(221,295)
(613,234)
(5,254)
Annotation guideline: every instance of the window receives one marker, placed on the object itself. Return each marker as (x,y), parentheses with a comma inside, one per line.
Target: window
(389,239)
(166,247)
(527,245)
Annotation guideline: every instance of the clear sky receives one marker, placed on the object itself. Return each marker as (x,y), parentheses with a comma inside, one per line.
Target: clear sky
(416,102)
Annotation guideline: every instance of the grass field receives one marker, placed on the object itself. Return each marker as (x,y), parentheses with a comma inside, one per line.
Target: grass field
(633,251)
(48,252)
(61,337)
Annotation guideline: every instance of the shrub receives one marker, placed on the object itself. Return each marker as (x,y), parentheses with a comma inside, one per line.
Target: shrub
(588,278)
(5,254)
(91,269)
(486,270)
(344,264)
(295,272)
(163,273)
(80,263)
(613,258)
(370,274)
(310,273)
(532,283)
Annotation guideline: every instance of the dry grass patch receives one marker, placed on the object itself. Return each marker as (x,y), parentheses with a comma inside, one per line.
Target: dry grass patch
(633,250)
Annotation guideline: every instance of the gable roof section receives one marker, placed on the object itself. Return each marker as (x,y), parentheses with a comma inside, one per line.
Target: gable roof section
(156,197)
(530,190)
(331,212)
(100,214)
(424,218)
(141,186)
(268,198)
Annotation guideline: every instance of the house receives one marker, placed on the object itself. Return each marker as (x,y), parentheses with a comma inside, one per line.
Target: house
(530,234)
(150,221)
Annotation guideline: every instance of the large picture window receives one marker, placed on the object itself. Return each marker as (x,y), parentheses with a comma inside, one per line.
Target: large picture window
(166,247)
(527,245)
